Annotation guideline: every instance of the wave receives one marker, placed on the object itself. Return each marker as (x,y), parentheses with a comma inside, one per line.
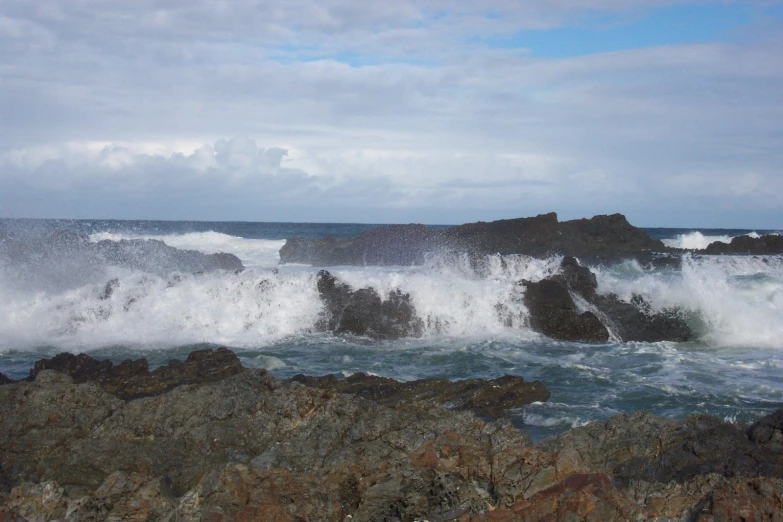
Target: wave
(698,241)
(252,252)
(732,301)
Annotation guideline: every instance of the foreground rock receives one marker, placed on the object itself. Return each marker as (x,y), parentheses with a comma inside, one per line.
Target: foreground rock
(132,379)
(487,398)
(764,245)
(600,239)
(362,312)
(250,447)
(554,312)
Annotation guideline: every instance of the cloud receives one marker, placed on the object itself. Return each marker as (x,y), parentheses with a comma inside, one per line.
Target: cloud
(377,111)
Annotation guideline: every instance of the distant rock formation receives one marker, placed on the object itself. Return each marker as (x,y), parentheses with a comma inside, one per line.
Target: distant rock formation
(601,239)
(62,259)
(764,245)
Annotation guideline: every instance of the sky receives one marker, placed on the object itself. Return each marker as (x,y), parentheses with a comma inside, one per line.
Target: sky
(432,111)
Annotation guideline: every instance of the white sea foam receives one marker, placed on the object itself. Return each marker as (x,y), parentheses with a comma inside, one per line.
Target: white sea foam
(252,252)
(733,301)
(698,241)
(736,300)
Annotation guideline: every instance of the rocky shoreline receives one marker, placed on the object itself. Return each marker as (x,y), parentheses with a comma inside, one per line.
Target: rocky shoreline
(206,439)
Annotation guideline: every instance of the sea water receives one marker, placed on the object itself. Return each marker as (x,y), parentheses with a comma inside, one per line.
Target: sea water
(475,320)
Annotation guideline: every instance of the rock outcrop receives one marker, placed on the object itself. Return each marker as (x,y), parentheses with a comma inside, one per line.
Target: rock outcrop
(251,447)
(132,379)
(362,312)
(488,398)
(600,239)
(66,259)
(554,313)
(765,245)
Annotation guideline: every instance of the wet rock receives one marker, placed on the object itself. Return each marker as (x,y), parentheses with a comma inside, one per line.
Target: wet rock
(635,321)
(553,313)
(764,245)
(485,397)
(132,379)
(768,431)
(600,239)
(362,312)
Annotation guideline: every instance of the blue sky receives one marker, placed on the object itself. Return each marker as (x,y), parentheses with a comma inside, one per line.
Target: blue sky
(433,111)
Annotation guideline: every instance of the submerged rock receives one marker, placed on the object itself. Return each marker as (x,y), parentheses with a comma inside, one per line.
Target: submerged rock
(251,447)
(486,397)
(769,244)
(362,312)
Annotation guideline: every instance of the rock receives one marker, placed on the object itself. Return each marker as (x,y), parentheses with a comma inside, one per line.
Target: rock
(769,244)
(768,431)
(600,239)
(61,260)
(488,398)
(5,380)
(362,312)
(251,447)
(132,379)
(553,313)
(635,321)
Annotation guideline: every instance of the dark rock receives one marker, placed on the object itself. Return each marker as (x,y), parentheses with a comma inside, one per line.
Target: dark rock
(362,312)
(488,398)
(5,380)
(745,245)
(132,379)
(250,447)
(552,313)
(601,238)
(768,431)
(635,321)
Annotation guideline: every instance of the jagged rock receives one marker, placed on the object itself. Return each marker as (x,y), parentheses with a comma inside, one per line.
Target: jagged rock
(5,380)
(132,379)
(601,238)
(769,244)
(362,312)
(768,431)
(250,447)
(488,398)
(553,313)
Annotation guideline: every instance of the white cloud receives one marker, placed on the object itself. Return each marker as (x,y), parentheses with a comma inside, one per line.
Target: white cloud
(387,111)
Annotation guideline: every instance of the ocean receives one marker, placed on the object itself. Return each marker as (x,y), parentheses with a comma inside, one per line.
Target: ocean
(267,314)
